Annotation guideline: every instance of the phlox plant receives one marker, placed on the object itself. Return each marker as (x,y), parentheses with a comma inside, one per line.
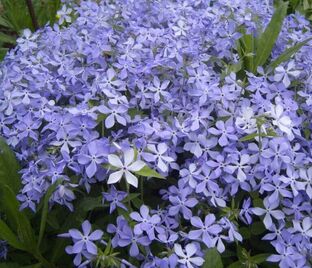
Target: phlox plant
(161,133)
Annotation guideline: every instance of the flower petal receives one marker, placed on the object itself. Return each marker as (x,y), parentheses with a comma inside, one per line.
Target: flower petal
(114,160)
(131,179)
(115,177)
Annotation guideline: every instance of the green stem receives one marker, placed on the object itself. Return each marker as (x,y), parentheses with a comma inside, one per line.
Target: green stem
(103,129)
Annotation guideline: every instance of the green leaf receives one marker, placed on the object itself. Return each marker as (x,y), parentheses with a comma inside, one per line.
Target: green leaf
(212,259)
(130,197)
(5,38)
(17,219)
(247,42)
(270,133)
(133,112)
(245,232)
(257,228)
(148,172)
(3,52)
(6,23)
(267,39)
(257,259)
(240,253)
(8,235)
(306,5)
(249,137)
(288,54)
(9,167)
(45,209)
(90,203)
(137,202)
(236,264)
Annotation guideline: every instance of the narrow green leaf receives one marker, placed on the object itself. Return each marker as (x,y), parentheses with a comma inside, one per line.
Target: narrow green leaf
(257,259)
(17,219)
(249,137)
(4,22)
(248,46)
(306,4)
(108,248)
(45,209)
(212,259)
(5,38)
(148,172)
(130,197)
(137,202)
(8,235)
(3,52)
(9,167)
(270,133)
(288,54)
(267,39)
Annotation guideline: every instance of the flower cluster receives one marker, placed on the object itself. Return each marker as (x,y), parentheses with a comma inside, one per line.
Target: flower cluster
(139,84)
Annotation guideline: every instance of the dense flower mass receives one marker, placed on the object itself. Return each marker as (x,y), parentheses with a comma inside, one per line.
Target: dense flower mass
(142,84)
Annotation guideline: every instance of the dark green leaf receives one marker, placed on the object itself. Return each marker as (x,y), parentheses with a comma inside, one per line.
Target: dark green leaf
(45,209)
(137,202)
(257,202)
(90,203)
(9,167)
(245,232)
(288,54)
(4,22)
(3,52)
(212,259)
(5,38)
(130,197)
(9,236)
(237,264)
(240,253)
(148,172)
(257,228)
(17,219)
(257,259)
(267,39)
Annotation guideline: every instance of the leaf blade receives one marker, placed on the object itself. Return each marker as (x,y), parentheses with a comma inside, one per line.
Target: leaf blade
(213,259)
(268,38)
(288,54)
(148,172)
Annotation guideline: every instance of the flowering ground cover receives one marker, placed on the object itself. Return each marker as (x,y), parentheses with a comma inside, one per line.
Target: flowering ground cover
(158,134)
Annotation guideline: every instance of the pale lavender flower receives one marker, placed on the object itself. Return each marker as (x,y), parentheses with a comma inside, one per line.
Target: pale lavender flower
(207,229)
(188,255)
(129,165)
(269,211)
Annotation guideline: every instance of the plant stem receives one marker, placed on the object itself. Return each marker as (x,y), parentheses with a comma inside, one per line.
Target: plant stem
(103,129)
(31,11)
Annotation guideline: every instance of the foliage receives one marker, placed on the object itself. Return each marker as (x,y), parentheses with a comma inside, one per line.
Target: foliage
(15,17)
(157,134)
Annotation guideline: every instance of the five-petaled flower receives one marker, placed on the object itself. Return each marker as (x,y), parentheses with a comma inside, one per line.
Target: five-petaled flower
(125,168)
